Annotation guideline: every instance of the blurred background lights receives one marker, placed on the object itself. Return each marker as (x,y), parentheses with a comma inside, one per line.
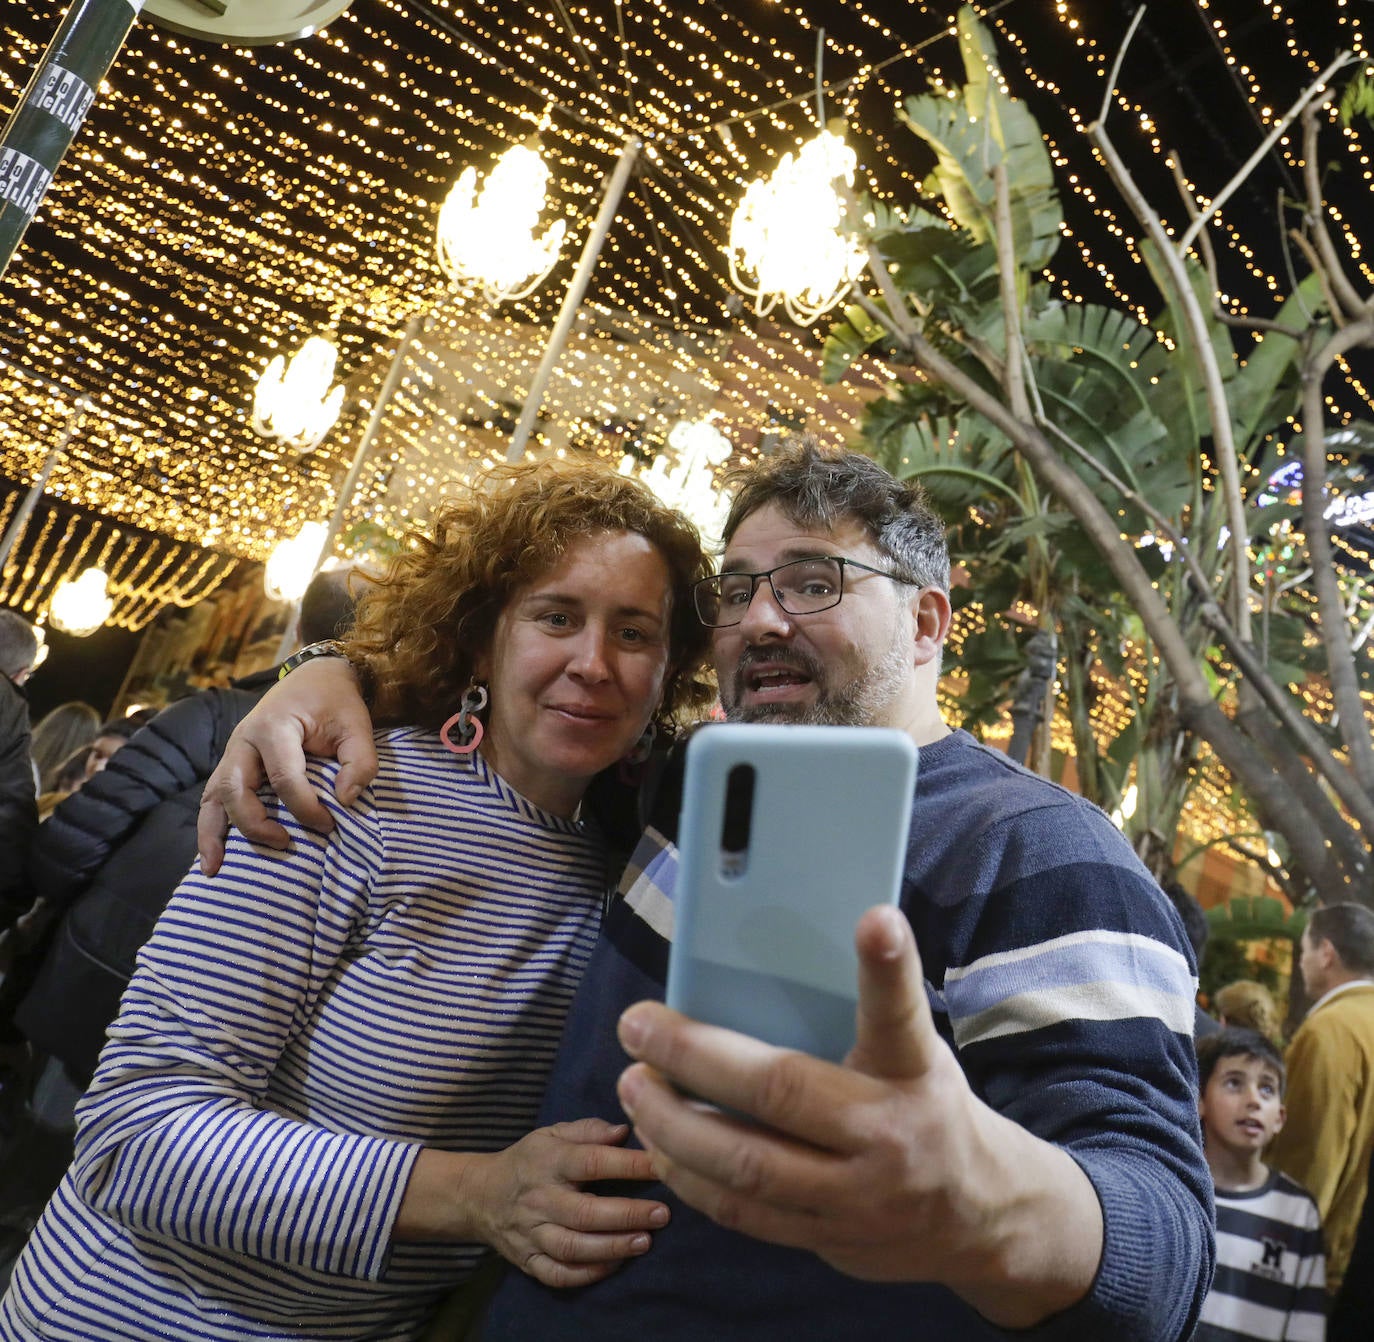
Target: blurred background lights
(292,564)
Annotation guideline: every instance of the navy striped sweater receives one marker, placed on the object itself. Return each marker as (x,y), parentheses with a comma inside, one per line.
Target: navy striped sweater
(1059,974)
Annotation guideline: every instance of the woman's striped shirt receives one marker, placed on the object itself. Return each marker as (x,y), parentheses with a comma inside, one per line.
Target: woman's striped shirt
(298,1028)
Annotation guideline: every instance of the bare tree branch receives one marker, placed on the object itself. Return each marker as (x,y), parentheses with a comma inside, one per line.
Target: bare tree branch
(1353,305)
(1338,315)
(1353,717)
(1276,131)
(1218,408)
(1209,259)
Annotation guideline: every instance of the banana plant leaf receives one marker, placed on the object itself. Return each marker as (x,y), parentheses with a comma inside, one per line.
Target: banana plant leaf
(1266,390)
(1254,917)
(938,262)
(972,134)
(1112,342)
(849,338)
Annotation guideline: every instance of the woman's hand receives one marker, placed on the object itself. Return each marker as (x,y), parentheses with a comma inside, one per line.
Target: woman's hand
(528,1202)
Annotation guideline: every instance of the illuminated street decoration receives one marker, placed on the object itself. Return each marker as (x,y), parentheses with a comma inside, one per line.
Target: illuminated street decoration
(789,232)
(250,203)
(292,564)
(491,241)
(293,402)
(80,607)
(1346,510)
(684,477)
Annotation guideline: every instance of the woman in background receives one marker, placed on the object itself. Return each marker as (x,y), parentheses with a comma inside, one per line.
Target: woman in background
(314,1108)
(68,730)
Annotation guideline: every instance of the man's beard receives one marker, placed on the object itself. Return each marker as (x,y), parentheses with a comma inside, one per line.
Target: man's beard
(856,704)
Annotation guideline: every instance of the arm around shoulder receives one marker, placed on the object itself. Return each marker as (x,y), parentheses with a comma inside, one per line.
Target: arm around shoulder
(318,709)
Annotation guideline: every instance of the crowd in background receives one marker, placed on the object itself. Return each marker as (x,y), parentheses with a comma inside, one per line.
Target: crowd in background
(1288,1127)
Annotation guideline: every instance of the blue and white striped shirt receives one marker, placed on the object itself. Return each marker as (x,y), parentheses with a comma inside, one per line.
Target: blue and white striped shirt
(298,1029)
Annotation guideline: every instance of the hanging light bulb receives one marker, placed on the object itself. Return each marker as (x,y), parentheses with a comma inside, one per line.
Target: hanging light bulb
(293,402)
(288,571)
(789,232)
(492,242)
(80,607)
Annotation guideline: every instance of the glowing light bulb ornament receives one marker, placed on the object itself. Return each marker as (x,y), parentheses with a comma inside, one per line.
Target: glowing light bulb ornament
(293,402)
(288,571)
(80,607)
(789,232)
(491,241)
(688,483)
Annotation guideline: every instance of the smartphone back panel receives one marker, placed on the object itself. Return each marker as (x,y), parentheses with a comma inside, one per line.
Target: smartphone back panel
(788,834)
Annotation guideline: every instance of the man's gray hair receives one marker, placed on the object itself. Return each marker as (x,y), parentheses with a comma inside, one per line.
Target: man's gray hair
(18,644)
(820,487)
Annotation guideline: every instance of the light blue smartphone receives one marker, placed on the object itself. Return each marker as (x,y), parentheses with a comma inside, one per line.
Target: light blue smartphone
(788,834)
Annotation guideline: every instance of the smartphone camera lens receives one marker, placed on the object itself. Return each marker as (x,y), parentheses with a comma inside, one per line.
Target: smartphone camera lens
(737,822)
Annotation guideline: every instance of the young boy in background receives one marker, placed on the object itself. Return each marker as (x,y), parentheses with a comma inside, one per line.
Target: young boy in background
(1271,1267)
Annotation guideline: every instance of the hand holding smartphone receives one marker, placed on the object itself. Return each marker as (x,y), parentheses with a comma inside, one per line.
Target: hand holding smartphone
(788,834)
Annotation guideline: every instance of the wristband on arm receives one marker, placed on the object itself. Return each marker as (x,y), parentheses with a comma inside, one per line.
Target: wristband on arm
(327,648)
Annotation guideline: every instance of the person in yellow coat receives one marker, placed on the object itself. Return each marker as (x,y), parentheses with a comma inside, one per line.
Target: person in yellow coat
(1325,1144)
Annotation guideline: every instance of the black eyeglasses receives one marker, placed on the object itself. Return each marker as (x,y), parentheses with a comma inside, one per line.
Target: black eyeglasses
(801,587)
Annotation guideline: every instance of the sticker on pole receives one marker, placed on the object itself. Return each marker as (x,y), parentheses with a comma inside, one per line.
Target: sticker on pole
(244,22)
(64,95)
(23,181)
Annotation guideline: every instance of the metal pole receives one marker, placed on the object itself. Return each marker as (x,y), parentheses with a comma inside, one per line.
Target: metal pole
(53,107)
(350,483)
(572,300)
(290,634)
(21,519)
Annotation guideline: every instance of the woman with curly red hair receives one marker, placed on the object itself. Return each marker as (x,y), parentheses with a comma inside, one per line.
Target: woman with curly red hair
(314,1109)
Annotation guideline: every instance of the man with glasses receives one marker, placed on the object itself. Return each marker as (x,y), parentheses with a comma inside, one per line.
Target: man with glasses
(1013,1143)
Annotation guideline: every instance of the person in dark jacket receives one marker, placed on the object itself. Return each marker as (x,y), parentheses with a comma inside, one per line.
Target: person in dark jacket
(103,866)
(110,856)
(18,810)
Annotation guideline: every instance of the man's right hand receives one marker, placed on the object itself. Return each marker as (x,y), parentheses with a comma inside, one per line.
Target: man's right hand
(318,708)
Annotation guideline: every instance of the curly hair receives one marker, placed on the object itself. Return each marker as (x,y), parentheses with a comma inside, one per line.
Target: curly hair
(421,629)
(1248,1003)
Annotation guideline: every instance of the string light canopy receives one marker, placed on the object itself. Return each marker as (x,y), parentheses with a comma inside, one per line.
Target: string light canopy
(791,240)
(294,402)
(220,199)
(491,240)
